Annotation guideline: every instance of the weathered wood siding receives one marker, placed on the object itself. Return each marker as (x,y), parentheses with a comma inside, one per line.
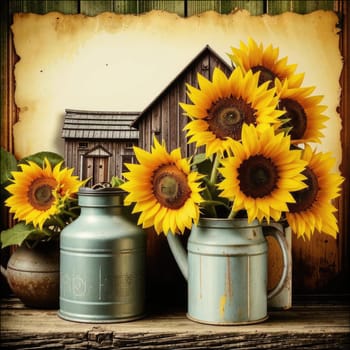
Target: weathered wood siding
(75,155)
(319,265)
(164,118)
(305,327)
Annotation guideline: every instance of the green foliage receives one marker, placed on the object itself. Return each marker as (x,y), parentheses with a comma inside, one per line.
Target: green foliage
(213,205)
(8,164)
(39,157)
(116,181)
(18,234)
(21,232)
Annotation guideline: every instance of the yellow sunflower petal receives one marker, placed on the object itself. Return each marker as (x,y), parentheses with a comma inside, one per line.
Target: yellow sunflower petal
(37,192)
(247,177)
(224,105)
(313,211)
(255,57)
(171,194)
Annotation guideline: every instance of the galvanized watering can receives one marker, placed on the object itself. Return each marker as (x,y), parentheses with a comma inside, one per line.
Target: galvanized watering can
(102,261)
(226,270)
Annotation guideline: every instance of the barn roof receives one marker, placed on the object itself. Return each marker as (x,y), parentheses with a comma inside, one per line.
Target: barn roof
(79,124)
(204,51)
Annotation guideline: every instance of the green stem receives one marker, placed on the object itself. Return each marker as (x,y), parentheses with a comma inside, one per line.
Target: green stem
(46,231)
(76,207)
(59,221)
(232,214)
(71,214)
(214,170)
(210,208)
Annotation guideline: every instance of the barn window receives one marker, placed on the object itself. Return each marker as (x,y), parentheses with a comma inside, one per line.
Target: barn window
(127,158)
(129,145)
(83,145)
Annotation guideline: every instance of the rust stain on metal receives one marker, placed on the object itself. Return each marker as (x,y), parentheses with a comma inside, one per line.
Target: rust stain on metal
(222,305)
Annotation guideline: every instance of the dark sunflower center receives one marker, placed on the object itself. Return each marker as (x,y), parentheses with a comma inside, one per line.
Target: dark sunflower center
(306,197)
(297,117)
(257,176)
(40,193)
(170,186)
(227,115)
(265,75)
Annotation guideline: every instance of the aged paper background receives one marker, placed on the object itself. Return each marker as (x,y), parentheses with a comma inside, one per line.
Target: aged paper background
(122,62)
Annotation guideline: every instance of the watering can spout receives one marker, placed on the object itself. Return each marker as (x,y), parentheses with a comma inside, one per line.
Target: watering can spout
(179,253)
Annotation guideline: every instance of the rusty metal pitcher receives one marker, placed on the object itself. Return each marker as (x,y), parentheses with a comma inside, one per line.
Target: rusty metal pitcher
(226,270)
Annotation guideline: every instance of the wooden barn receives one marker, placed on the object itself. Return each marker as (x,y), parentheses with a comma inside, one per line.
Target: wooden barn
(163,117)
(97,144)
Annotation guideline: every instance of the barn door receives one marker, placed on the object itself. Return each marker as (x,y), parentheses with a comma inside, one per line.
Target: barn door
(102,169)
(97,169)
(96,165)
(89,168)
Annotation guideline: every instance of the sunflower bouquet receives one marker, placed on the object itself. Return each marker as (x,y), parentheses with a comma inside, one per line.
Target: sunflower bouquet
(41,194)
(252,131)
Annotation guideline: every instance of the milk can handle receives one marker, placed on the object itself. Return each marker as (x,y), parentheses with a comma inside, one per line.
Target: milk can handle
(273,231)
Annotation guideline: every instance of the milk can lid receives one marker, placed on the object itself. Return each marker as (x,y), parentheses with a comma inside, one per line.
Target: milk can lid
(100,197)
(100,190)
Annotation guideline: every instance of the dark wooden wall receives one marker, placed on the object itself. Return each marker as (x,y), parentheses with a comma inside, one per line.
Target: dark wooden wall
(164,117)
(320,265)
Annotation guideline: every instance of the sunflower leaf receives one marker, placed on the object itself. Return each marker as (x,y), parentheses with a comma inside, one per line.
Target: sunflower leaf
(18,234)
(38,158)
(116,181)
(199,158)
(8,164)
(202,164)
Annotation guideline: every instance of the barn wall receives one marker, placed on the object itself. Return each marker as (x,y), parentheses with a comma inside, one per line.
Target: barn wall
(165,119)
(120,150)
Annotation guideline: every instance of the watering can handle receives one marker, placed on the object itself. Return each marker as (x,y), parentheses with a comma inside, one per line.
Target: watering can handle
(274,231)
(179,253)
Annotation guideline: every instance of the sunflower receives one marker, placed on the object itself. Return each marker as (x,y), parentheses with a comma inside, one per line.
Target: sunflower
(35,191)
(262,173)
(164,188)
(266,61)
(222,106)
(313,209)
(303,112)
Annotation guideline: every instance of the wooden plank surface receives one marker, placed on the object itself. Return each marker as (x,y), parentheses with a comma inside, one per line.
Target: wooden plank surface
(274,7)
(311,327)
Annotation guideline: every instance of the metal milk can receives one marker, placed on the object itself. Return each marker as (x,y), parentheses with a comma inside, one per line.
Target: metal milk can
(226,270)
(102,261)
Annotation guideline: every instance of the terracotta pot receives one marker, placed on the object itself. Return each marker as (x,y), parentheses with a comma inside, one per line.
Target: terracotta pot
(33,274)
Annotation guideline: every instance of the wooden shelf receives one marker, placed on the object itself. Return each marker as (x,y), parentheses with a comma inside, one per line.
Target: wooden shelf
(311,326)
